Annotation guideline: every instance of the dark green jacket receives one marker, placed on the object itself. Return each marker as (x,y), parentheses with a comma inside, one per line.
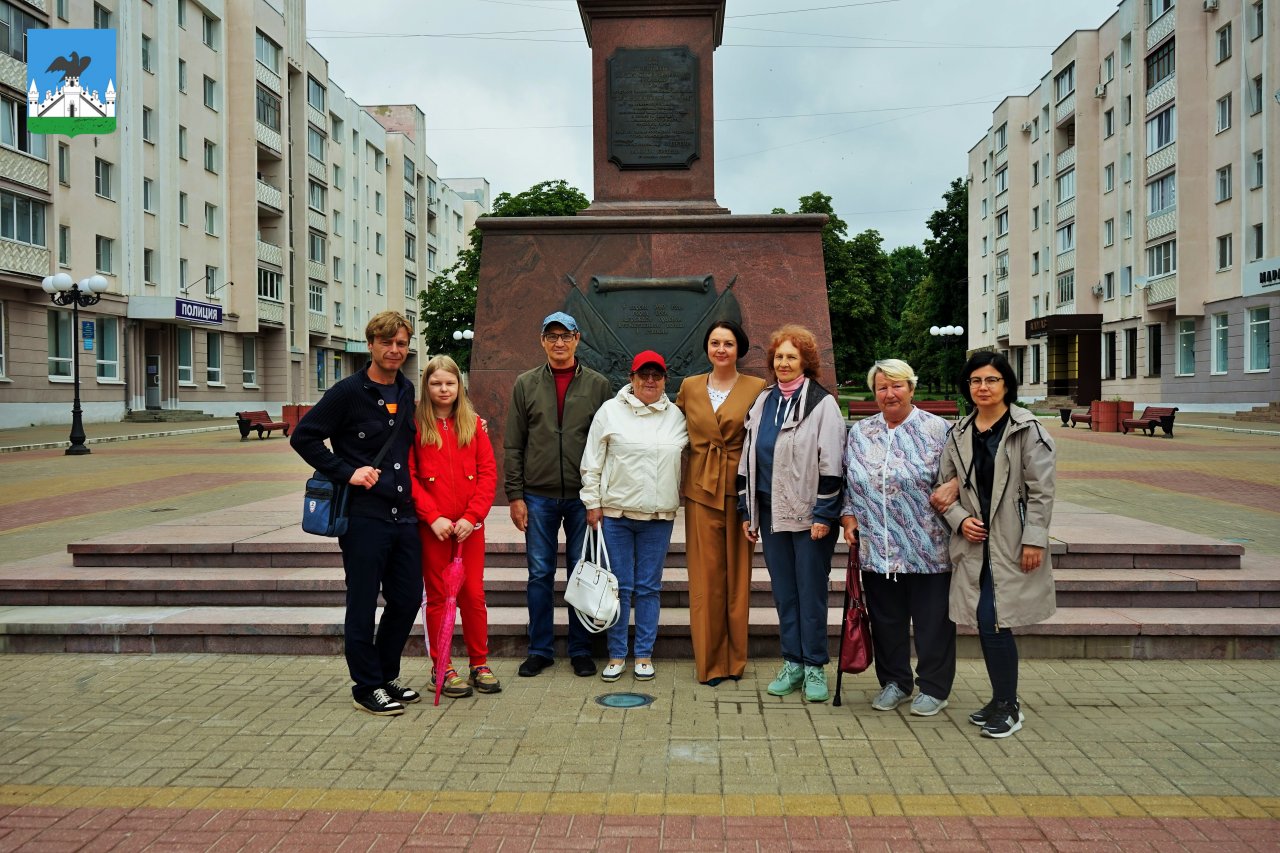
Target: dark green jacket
(542,456)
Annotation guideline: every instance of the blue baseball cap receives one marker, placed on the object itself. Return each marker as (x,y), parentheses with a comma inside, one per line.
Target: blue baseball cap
(562,318)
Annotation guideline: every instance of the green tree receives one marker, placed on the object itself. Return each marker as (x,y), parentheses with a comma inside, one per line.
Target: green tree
(947,299)
(449,301)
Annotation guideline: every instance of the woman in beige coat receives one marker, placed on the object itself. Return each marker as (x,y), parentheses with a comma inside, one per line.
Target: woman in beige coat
(1001,577)
(719,554)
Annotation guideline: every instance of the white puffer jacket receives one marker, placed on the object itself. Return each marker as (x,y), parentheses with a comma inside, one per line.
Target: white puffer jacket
(631,464)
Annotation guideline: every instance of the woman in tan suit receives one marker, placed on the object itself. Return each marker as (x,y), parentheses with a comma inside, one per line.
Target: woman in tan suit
(715,407)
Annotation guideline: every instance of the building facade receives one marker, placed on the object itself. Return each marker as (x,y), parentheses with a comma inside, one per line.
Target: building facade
(1123,214)
(248,216)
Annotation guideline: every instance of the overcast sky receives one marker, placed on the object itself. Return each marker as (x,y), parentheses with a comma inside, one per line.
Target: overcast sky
(875,103)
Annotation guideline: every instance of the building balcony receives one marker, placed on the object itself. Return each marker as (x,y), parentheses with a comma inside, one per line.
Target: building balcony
(270,197)
(1065,261)
(317,271)
(1065,159)
(13,73)
(1065,210)
(1166,222)
(1002,330)
(1161,95)
(1065,307)
(1163,289)
(25,169)
(1162,159)
(268,139)
(317,220)
(270,253)
(1066,109)
(317,323)
(1161,27)
(24,258)
(268,78)
(317,118)
(317,170)
(270,311)
(1002,156)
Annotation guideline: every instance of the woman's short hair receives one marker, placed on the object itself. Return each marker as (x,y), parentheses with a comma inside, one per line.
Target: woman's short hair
(1000,363)
(803,340)
(738,335)
(894,369)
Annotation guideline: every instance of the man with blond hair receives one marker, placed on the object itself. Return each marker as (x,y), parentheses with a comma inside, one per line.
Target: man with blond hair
(380,550)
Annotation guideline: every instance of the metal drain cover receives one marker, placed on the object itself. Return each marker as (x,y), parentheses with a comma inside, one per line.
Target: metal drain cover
(624,700)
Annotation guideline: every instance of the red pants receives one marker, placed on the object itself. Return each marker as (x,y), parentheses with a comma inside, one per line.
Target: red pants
(475,615)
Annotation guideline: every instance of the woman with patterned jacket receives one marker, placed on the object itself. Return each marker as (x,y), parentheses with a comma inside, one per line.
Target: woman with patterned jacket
(891,462)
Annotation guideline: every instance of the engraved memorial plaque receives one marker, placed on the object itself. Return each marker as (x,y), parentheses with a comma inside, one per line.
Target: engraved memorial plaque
(653,108)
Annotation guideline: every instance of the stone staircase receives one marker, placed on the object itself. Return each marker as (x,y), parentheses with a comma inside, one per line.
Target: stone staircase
(1269,413)
(147,416)
(248,580)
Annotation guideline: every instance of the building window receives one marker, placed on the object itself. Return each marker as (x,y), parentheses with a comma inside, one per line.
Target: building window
(1224,252)
(1187,347)
(1109,68)
(1002,181)
(431,258)
(186,364)
(379,242)
(107,348)
(316,248)
(1257,242)
(408,171)
(1067,288)
(13,30)
(1109,123)
(1153,349)
(61,9)
(1131,352)
(210,92)
(1035,218)
(210,156)
(1256,20)
(1161,194)
(315,297)
(148,125)
(1162,130)
(182,142)
(1035,364)
(13,129)
(315,93)
(22,219)
(270,285)
(1035,306)
(1066,237)
(1126,281)
(1035,174)
(1035,263)
(64,245)
(1126,50)
(267,52)
(103,247)
(1224,43)
(146,53)
(1224,113)
(317,196)
(1002,223)
(1255,95)
(1067,186)
(1108,232)
(377,284)
(182,75)
(984,208)
(1126,110)
(315,144)
(1218,351)
(61,345)
(1162,259)
(410,247)
(1002,266)
(1065,82)
(64,164)
(1255,173)
(211,219)
(1128,224)
(268,108)
(148,195)
(101,18)
(1224,183)
(410,286)
(148,266)
(209,32)
(984,282)
(337,314)
(1109,285)
(1156,8)
(182,208)
(213,362)
(1109,355)
(3,342)
(1126,167)
(1002,137)
(102,178)
(249,361)
(1002,308)
(1258,339)
(183,278)
(1108,177)
(378,204)
(1160,65)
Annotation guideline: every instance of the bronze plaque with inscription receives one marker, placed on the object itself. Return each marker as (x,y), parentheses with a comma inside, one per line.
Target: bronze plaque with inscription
(653,108)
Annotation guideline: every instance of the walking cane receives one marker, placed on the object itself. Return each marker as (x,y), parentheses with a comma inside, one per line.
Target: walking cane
(844,630)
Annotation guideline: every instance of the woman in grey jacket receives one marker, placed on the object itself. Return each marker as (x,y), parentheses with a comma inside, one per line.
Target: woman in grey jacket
(1001,577)
(789,482)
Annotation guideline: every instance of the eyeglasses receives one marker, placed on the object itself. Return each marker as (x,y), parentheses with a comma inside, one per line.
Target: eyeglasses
(989,381)
(651,375)
(563,337)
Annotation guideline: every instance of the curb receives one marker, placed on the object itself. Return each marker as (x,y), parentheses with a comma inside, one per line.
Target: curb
(60,445)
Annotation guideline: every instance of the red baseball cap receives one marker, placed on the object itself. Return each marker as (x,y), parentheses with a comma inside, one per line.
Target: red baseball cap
(648,357)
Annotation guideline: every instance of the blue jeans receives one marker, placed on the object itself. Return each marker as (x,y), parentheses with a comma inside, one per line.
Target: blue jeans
(800,573)
(637,550)
(546,517)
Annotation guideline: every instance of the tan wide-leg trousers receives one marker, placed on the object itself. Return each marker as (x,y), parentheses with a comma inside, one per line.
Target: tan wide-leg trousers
(719,559)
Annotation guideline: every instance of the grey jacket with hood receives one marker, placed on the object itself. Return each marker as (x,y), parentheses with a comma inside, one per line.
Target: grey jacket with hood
(1021,510)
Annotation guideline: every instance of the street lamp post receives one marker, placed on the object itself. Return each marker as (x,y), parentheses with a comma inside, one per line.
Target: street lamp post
(81,294)
(950,332)
(464,335)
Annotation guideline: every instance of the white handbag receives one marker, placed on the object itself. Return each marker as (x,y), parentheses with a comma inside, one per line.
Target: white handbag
(593,590)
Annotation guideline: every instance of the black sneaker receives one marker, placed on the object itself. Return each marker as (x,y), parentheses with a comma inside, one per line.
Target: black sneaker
(402,693)
(533,665)
(1005,719)
(583,666)
(979,718)
(379,703)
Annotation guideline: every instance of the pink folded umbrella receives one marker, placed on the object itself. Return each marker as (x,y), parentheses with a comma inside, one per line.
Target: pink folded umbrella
(443,641)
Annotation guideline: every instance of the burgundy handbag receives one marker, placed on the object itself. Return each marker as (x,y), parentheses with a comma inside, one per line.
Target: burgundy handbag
(855,631)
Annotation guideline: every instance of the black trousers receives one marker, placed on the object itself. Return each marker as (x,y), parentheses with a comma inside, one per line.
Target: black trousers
(916,601)
(379,555)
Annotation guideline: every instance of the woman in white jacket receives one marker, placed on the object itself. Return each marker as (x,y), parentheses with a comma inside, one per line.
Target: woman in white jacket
(631,485)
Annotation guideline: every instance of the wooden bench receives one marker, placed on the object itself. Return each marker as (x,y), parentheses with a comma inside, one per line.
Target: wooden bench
(943,408)
(1151,417)
(1085,418)
(260,421)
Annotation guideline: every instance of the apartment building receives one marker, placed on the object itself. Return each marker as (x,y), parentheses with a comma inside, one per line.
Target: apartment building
(248,216)
(1123,214)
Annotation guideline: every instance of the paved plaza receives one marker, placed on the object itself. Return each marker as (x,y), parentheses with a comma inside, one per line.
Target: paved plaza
(240,752)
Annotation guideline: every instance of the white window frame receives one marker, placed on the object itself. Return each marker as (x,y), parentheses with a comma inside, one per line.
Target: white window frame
(1255,321)
(1066,287)
(1162,194)
(103,178)
(1186,348)
(1223,112)
(1108,286)
(1002,222)
(249,361)
(1108,232)
(1224,252)
(186,360)
(211,219)
(103,249)
(1108,177)
(1126,281)
(1065,186)
(149,196)
(270,285)
(106,349)
(1162,130)
(1222,184)
(315,296)
(1222,42)
(1162,259)
(1065,238)
(1219,341)
(213,358)
(1256,173)
(61,344)
(210,92)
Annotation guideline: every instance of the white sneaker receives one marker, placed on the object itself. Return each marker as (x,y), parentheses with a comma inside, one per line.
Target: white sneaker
(613,671)
(925,705)
(889,698)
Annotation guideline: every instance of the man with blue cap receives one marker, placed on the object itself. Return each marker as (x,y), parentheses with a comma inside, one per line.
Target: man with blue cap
(547,423)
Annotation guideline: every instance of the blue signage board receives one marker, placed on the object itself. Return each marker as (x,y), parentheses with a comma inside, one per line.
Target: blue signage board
(197,312)
(87,329)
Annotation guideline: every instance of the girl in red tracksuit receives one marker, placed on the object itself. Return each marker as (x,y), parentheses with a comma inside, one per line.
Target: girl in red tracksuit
(454,478)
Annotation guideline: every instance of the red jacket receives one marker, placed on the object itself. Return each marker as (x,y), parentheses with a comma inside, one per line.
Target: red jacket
(453,482)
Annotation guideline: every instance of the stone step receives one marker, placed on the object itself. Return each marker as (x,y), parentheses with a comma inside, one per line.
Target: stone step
(1080,632)
(40,582)
(166,416)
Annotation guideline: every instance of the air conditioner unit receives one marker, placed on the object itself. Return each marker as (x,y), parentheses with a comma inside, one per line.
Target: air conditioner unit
(1100,91)
(1211,5)
(1026,127)
(1096,289)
